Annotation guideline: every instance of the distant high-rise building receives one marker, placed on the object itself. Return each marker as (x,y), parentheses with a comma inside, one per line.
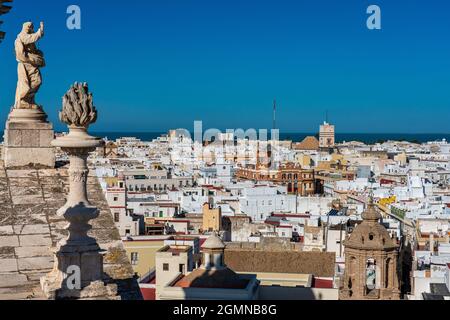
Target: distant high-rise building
(326,135)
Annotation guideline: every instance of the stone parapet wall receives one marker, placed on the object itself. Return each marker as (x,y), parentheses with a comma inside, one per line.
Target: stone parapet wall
(29,227)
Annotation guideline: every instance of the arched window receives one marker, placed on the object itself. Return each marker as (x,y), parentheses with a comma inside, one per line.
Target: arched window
(352,266)
(388,270)
(371,276)
(351,274)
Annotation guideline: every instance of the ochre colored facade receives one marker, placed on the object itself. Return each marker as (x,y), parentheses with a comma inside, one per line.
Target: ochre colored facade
(212,218)
(326,136)
(294,176)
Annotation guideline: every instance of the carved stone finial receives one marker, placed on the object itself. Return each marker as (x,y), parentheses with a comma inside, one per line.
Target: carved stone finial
(78,107)
(78,248)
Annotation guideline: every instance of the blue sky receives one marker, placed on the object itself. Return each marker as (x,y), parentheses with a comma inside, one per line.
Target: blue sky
(154,65)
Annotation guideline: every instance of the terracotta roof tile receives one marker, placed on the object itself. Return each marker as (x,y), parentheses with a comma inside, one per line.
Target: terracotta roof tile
(309,143)
(320,264)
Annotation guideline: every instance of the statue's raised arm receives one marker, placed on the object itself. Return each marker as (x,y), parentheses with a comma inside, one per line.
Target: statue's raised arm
(28,37)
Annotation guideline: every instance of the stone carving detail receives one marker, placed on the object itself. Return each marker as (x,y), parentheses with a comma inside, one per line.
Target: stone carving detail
(78,108)
(30,59)
(79,175)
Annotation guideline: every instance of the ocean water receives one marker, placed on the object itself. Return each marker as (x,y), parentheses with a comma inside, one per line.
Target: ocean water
(297,137)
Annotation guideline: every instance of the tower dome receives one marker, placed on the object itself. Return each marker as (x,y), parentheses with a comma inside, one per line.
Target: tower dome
(370,234)
(213,243)
(370,261)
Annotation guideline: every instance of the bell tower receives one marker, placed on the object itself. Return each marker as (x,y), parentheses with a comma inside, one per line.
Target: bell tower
(370,261)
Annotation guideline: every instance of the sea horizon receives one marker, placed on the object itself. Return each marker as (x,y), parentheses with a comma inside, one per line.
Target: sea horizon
(368,138)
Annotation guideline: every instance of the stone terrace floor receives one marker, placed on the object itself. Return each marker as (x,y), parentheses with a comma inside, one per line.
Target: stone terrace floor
(29,228)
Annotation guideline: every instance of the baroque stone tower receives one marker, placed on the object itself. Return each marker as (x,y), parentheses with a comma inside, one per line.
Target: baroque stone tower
(370,261)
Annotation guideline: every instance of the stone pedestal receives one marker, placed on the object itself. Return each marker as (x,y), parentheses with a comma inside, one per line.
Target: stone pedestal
(27,140)
(78,258)
(78,267)
(85,281)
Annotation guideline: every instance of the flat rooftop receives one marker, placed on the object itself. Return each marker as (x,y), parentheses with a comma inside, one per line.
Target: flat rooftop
(175,249)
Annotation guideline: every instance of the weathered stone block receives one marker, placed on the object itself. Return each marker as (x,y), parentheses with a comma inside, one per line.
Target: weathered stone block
(32,229)
(12,280)
(9,241)
(66,260)
(13,137)
(31,252)
(45,137)
(28,144)
(27,199)
(35,263)
(8,265)
(30,138)
(22,157)
(6,230)
(91,267)
(35,240)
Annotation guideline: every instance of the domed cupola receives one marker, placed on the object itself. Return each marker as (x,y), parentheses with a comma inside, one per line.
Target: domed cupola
(370,234)
(213,253)
(370,261)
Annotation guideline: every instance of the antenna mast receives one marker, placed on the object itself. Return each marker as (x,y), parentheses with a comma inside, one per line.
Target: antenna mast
(274,114)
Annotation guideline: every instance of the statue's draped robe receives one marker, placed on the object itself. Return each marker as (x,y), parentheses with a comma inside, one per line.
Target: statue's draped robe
(29,59)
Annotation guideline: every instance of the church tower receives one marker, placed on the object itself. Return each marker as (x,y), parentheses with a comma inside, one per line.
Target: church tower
(370,261)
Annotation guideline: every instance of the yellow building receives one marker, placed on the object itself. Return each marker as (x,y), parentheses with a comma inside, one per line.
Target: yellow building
(401,158)
(142,251)
(111,182)
(387,201)
(212,218)
(335,157)
(303,159)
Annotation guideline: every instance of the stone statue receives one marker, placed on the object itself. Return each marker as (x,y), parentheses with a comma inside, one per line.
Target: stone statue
(28,134)
(30,59)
